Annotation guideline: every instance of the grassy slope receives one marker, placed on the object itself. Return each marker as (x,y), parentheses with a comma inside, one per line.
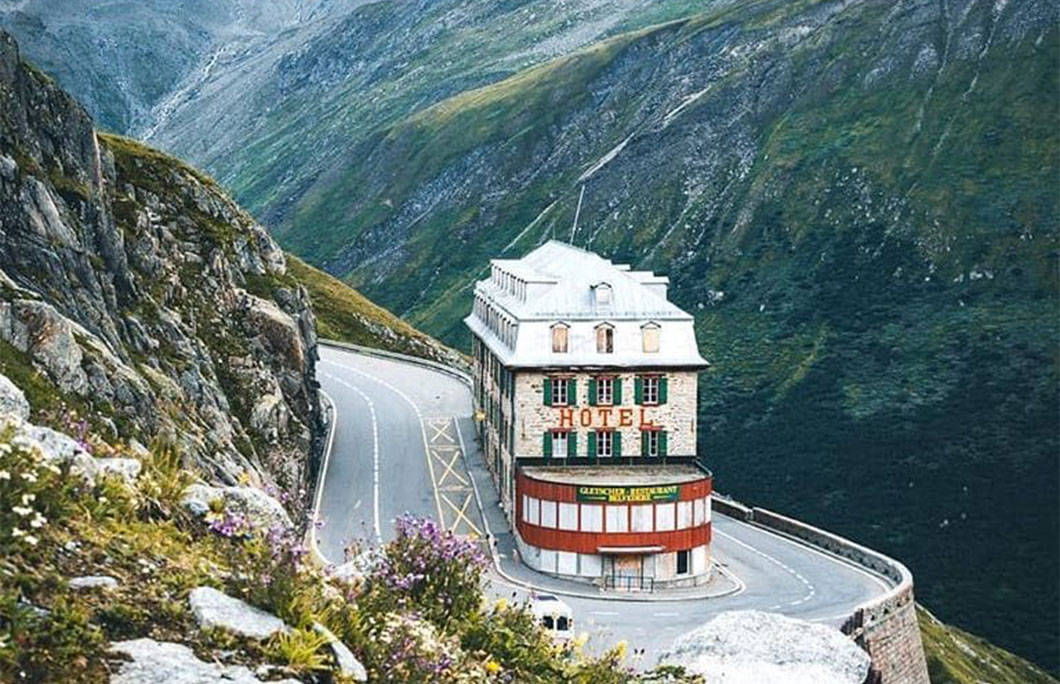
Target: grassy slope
(956,657)
(345,315)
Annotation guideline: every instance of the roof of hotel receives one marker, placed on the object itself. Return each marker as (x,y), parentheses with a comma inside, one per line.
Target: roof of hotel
(617,476)
(517,306)
(572,273)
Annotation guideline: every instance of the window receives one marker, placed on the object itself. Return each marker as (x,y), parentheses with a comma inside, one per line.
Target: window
(603,294)
(649,443)
(548,514)
(642,517)
(560,444)
(698,515)
(532,511)
(651,390)
(592,518)
(617,519)
(684,515)
(664,516)
(558,391)
(605,391)
(605,443)
(568,516)
(605,339)
(650,338)
(559,338)
(682,562)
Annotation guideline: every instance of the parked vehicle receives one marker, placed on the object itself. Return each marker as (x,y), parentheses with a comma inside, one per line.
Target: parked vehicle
(554,615)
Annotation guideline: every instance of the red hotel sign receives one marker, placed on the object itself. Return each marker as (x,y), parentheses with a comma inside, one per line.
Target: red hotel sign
(604,417)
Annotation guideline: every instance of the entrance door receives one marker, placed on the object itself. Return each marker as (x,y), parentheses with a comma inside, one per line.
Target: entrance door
(625,570)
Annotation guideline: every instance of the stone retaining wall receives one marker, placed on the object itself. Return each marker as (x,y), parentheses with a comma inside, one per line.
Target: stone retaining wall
(886,627)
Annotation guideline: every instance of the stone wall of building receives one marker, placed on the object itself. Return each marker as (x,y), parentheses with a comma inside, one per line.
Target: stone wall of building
(886,627)
(677,416)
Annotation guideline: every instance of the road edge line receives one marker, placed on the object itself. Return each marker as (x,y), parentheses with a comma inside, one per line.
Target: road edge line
(314,547)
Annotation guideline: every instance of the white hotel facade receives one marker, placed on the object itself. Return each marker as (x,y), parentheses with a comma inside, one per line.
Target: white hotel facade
(585,386)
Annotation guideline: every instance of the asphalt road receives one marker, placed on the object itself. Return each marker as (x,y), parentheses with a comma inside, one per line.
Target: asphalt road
(400,436)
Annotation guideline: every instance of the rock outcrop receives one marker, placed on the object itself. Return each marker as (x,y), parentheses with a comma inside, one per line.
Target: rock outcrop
(154,305)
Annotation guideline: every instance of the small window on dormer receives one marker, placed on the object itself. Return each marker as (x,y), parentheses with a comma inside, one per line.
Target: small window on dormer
(602,293)
(650,337)
(605,339)
(559,338)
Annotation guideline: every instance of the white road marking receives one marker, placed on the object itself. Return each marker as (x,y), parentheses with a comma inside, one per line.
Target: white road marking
(810,590)
(419,417)
(665,614)
(375,454)
(323,477)
(604,612)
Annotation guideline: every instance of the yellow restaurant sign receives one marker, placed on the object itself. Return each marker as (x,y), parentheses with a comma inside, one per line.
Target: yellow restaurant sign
(628,494)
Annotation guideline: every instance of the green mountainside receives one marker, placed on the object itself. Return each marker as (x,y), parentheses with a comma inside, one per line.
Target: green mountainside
(956,657)
(858,202)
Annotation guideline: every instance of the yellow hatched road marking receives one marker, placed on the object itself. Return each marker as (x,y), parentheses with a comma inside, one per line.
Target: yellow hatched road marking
(450,467)
(461,515)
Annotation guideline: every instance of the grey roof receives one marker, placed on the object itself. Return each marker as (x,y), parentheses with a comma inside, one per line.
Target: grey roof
(570,273)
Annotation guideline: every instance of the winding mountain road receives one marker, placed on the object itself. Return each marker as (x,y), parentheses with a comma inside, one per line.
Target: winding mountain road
(404,442)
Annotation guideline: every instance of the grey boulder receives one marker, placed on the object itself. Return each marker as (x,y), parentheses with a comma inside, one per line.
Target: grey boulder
(161,662)
(213,608)
(753,647)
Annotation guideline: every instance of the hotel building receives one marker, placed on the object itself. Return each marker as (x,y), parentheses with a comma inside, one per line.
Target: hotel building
(585,385)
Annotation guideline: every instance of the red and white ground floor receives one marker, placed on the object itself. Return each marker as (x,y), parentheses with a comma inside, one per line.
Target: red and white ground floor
(629,527)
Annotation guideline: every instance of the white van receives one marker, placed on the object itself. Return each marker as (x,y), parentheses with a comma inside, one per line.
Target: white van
(554,615)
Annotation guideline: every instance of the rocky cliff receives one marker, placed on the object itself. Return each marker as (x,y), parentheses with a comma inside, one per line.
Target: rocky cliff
(136,297)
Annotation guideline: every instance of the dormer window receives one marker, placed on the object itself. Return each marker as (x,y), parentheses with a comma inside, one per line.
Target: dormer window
(602,294)
(559,338)
(605,338)
(650,337)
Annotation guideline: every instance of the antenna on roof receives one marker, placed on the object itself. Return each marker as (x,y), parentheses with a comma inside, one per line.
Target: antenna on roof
(577,213)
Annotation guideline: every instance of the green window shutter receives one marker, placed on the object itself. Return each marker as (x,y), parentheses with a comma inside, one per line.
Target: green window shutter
(616,384)
(572,444)
(592,391)
(592,444)
(546,448)
(616,444)
(662,389)
(662,443)
(638,390)
(643,443)
(572,392)
(548,391)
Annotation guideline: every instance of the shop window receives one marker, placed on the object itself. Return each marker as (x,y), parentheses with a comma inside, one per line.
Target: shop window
(664,517)
(568,516)
(592,518)
(642,517)
(548,514)
(618,519)
(532,511)
(684,515)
